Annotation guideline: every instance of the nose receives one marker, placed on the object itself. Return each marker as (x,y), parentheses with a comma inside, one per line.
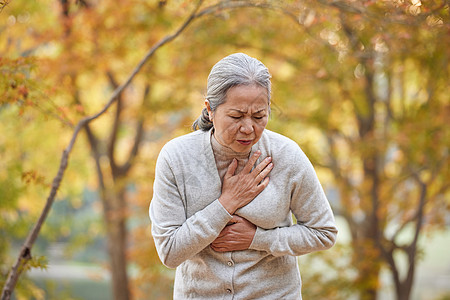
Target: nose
(246,127)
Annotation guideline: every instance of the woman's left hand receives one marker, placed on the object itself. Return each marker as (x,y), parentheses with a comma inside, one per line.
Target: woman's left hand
(237,235)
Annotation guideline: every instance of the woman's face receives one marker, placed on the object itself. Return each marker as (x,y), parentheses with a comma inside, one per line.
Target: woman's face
(241,119)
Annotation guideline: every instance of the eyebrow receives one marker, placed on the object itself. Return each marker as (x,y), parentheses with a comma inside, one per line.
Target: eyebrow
(243,112)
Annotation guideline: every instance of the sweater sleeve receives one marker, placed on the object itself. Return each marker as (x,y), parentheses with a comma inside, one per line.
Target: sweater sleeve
(315,228)
(176,237)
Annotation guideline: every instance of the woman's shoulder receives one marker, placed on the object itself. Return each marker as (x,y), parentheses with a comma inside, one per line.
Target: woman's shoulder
(284,150)
(187,143)
(279,142)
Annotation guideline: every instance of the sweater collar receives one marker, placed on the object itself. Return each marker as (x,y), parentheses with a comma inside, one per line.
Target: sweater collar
(225,153)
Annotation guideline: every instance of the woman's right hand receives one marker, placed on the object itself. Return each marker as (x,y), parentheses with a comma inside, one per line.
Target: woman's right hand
(240,189)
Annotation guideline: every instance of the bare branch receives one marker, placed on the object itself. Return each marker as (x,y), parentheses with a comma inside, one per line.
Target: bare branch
(3,4)
(412,248)
(116,124)
(93,141)
(25,252)
(420,209)
(229,5)
(123,170)
(397,13)
(423,185)
(388,254)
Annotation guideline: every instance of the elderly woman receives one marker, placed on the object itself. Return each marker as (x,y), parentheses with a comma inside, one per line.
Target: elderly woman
(224,196)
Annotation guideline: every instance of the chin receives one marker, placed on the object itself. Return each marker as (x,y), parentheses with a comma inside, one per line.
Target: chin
(242,148)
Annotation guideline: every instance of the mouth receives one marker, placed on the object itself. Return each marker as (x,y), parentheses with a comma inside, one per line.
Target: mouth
(245,142)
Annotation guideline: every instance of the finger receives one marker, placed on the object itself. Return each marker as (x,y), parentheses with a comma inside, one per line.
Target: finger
(231,168)
(215,248)
(221,235)
(239,222)
(263,174)
(251,162)
(219,244)
(262,166)
(263,184)
(236,219)
(218,249)
(243,221)
(231,222)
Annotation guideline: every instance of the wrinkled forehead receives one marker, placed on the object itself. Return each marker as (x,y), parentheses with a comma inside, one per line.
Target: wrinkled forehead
(248,109)
(244,98)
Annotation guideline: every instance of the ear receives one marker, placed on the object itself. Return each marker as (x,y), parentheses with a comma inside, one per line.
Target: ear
(208,108)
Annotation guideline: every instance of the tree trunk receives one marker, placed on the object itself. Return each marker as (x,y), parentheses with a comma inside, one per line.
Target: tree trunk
(368,267)
(404,292)
(114,211)
(116,233)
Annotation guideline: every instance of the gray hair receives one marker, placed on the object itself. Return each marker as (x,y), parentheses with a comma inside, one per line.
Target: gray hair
(233,70)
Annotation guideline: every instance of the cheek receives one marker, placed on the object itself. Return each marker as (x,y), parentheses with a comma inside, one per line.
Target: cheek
(228,129)
(232,130)
(260,126)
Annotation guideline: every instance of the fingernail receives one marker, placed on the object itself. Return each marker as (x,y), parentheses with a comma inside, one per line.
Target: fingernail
(268,159)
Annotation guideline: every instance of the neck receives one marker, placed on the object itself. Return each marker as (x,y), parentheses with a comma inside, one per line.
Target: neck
(227,151)
(224,155)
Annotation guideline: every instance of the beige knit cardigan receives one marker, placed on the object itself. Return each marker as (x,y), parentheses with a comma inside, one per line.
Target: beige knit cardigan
(186,217)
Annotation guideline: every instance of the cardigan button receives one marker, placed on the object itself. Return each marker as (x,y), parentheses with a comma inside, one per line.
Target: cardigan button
(229,291)
(230,263)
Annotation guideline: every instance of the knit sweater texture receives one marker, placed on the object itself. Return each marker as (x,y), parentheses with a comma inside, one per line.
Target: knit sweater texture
(187,217)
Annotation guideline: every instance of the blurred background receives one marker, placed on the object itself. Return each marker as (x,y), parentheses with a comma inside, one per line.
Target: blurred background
(361,86)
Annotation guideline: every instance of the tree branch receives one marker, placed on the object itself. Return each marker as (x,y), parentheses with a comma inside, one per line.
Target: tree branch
(3,4)
(93,141)
(125,168)
(116,124)
(411,250)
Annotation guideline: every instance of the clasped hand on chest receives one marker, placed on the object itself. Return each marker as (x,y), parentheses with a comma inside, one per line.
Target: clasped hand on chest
(237,191)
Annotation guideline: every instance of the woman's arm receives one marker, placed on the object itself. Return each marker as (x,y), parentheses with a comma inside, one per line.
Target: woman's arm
(315,228)
(176,237)
(237,235)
